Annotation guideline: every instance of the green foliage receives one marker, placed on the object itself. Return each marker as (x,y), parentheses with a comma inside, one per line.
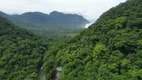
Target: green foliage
(110,49)
(21,53)
(99,49)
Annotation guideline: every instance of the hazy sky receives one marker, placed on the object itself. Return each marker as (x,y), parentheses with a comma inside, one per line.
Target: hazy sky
(90,9)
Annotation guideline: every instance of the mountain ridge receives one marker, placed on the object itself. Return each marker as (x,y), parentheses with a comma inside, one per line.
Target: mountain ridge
(56,15)
(39,18)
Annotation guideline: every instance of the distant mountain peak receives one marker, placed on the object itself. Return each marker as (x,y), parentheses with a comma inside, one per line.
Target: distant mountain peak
(34,13)
(56,13)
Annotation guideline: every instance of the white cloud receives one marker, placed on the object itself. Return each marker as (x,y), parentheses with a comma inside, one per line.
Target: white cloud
(90,9)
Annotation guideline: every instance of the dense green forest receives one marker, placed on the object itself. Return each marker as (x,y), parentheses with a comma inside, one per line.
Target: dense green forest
(21,52)
(110,49)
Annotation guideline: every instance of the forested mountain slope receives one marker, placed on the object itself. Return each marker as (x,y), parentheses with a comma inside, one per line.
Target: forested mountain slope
(110,49)
(21,53)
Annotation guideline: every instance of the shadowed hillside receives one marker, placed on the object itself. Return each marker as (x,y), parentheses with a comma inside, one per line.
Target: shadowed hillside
(21,52)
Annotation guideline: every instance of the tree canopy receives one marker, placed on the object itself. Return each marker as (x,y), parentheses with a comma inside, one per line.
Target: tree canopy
(110,49)
(21,52)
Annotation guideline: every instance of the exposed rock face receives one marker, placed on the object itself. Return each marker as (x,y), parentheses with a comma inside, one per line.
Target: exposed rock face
(58,73)
(42,74)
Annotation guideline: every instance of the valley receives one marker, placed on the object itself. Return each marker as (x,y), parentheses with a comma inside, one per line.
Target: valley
(63,46)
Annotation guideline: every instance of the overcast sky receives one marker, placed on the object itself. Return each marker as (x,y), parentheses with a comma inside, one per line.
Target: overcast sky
(90,9)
